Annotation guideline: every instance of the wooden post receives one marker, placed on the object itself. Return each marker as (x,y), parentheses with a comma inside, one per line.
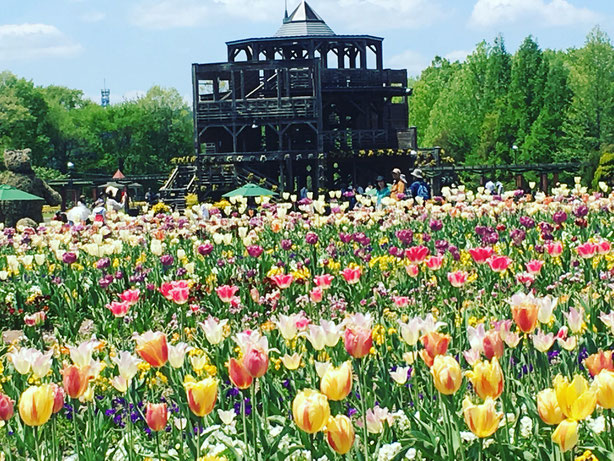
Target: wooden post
(555,178)
(519,181)
(544,182)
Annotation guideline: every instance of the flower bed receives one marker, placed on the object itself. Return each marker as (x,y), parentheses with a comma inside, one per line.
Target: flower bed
(467,327)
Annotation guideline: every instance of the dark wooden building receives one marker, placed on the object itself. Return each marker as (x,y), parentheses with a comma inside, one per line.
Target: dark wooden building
(303,108)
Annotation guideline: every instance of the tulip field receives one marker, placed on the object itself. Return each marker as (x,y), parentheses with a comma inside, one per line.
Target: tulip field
(468,327)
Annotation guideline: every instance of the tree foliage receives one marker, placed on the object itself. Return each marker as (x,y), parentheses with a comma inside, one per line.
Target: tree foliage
(553,105)
(60,125)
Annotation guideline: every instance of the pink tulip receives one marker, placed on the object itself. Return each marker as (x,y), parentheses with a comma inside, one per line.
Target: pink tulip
(586,250)
(400,301)
(534,266)
(119,309)
(554,249)
(351,275)
(256,361)
(412,270)
(417,254)
(357,342)
(481,254)
(226,292)
(130,296)
(499,263)
(323,281)
(179,295)
(283,281)
(457,278)
(434,262)
(316,294)
(604,247)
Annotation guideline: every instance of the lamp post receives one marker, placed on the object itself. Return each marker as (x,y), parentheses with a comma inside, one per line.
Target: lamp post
(515,149)
(70,167)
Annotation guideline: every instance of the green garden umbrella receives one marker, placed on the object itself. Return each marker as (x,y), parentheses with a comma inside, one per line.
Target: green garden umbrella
(9,193)
(249,190)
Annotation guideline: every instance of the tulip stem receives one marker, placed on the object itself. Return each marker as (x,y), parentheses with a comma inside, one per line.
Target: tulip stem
(158,445)
(38,453)
(361,386)
(244,425)
(252,390)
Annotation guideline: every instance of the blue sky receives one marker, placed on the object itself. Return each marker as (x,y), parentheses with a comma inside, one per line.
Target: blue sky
(135,44)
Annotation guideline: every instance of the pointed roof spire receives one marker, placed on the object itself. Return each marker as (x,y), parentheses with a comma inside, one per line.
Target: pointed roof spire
(286,13)
(303,21)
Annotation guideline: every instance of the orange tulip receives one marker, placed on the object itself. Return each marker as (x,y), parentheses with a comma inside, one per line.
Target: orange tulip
(434,344)
(483,420)
(75,380)
(152,348)
(487,378)
(525,315)
(599,361)
(239,375)
(340,434)
(447,375)
(156,416)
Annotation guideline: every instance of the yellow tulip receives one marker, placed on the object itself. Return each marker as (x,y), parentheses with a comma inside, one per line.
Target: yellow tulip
(310,410)
(336,382)
(487,378)
(566,434)
(576,399)
(36,404)
(340,434)
(548,407)
(483,420)
(291,362)
(447,375)
(604,384)
(201,395)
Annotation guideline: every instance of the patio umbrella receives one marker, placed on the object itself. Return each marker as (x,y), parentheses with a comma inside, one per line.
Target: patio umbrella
(250,190)
(9,193)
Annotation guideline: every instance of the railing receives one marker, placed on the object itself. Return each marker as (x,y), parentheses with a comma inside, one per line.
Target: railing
(355,139)
(358,78)
(247,110)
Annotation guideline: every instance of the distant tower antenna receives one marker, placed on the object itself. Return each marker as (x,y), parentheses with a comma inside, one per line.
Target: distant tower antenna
(105,95)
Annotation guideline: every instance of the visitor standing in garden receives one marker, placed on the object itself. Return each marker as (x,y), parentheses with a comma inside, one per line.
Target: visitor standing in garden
(419,188)
(382,190)
(398,185)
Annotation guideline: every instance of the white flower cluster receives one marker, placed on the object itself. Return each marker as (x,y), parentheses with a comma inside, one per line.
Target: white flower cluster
(596,425)
(388,451)
(526,427)
(402,421)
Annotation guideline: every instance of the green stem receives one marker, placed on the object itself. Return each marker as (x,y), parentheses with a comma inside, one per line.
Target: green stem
(38,453)
(252,390)
(74,427)
(365,436)
(244,425)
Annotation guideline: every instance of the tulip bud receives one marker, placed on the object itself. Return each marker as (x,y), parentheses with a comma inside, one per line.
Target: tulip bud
(548,407)
(604,383)
(201,396)
(357,342)
(238,374)
(336,383)
(256,361)
(566,434)
(156,416)
(447,375)
(58,400)
(6,407)
(75,380)
(487,379)
(36,405)
(340,434)
(483,420)
(310,410)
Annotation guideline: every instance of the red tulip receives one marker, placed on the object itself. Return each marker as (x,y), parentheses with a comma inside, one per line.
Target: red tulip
(156,416)
(457,278)
(412,270)
(323,281)
(434,262)
(586,250)
(492,344)
(130,296)
(58,401)
(554,249)
(119,309)
(534,266)
(238,374)
(604,247)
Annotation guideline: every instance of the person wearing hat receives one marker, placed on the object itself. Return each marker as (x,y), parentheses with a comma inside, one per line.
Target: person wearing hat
(419,188)
(398,185)
(382,190)
(99,211)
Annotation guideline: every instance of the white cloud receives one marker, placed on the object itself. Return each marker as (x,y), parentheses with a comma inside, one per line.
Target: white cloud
(411,60)
(169,14)
(345,15)
(457,55)
(32,41)
(93,16)
(552,13)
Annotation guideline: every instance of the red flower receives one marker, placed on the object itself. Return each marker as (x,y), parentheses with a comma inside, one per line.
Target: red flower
(481,254)
(417,254)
